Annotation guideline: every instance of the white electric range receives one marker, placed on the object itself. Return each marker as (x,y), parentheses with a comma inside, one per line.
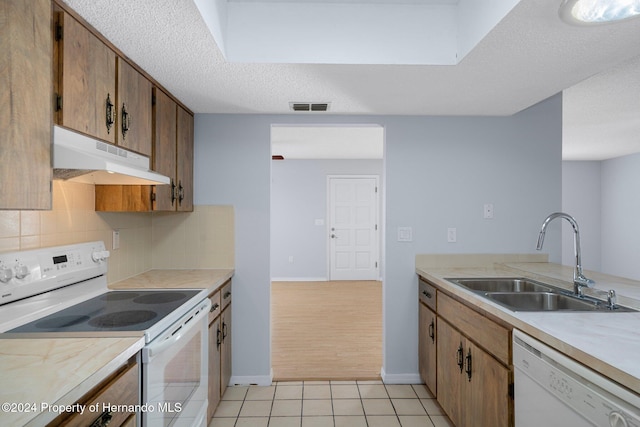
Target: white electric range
(62,292)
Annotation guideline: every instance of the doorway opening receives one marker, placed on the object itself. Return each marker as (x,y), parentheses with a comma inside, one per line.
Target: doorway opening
(326,251)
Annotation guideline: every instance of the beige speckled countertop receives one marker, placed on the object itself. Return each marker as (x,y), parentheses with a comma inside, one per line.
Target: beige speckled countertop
(608,343)
(61,370)
(58,371)
(210,279)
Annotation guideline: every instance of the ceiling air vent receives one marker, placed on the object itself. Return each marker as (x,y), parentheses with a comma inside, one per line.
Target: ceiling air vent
(309,106)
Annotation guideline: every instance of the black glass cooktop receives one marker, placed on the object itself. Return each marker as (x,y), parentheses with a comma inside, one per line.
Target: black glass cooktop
(113,311)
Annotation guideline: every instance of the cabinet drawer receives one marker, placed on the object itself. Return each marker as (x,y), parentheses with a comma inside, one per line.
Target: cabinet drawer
(225,295)
(215,306)
(120,389)
(494,338)
(427,294)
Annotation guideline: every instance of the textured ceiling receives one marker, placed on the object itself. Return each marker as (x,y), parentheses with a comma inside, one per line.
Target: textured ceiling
(528,57)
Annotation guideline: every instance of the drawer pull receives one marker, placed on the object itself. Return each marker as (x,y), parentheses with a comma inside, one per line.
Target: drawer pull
(226,295)
(214,307)
(468,363)
(103,420)
(426,294)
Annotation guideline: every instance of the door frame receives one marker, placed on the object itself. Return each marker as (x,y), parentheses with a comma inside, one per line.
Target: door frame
(378,216)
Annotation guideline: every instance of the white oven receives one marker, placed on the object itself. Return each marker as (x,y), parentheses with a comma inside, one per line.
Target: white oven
(174,373)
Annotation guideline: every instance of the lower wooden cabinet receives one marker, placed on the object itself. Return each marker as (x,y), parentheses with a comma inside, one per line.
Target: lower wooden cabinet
(219,345)
(121,389)
(464,359)
(427,347)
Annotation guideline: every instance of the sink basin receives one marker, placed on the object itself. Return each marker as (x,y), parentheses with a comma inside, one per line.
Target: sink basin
(549,301)
(522,294)
(502,284)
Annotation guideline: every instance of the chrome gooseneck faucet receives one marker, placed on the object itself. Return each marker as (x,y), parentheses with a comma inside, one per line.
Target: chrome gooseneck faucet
(579,280)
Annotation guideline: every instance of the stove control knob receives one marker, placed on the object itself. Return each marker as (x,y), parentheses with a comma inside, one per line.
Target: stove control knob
(22,271)
(99,256)
(5,274)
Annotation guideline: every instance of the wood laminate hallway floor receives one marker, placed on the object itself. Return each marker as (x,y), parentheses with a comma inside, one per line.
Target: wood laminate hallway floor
(326,330)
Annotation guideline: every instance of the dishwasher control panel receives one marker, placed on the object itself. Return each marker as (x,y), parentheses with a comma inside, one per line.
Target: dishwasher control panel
(591,396)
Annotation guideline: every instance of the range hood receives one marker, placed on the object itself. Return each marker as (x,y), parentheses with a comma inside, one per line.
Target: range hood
(80,158)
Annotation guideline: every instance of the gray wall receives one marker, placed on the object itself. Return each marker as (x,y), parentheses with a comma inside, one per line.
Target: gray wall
(620,216)
(298,198)
(439,171)
(582,198)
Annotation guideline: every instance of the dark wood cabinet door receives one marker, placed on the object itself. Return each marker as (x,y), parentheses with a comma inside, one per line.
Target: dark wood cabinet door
(134,109)
(215,337)
(86,78)
(225,362)
(487,392)
(164,150)
(427,347)
(185,161)
(450,377)
(25,117)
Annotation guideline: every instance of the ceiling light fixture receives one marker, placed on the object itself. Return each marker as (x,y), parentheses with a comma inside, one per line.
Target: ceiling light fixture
(589,12)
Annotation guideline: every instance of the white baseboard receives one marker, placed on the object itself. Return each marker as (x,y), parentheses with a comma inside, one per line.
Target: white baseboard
(299,279)
(263,380)
(400,378)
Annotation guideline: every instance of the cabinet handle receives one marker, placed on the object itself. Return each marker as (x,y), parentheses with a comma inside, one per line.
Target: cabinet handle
(426,294)
(126,121)
(173,192)
(432,334)
(218,341)
(180,193)
(224,331)
(460,357)
(110,113)
(226,295)
(214,307)
(103,420)
(468,363)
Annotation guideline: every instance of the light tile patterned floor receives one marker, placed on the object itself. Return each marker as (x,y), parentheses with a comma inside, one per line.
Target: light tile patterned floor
(329,404)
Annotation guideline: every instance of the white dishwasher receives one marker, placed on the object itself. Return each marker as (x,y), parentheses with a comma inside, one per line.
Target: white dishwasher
(554,390)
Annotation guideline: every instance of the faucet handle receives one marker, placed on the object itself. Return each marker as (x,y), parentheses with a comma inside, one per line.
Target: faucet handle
(612,299)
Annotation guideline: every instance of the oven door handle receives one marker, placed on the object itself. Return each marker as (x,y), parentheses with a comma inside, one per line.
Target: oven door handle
(185,329)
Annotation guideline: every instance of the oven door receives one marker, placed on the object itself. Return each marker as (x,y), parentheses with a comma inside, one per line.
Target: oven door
(174,373)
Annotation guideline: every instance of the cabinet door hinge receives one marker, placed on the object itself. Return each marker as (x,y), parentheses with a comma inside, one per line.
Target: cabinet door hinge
(58,102)
(376,264)
(376,227)
(376,189)
(59,32)
(511,391)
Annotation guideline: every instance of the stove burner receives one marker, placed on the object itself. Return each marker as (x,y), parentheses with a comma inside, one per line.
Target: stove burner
(159,298)
(60,322)
(122,318)
(118,296)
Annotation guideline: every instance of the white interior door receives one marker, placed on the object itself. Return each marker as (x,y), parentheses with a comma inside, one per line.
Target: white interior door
(353,228)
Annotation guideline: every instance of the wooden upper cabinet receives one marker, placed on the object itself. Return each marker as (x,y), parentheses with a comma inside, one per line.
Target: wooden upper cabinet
(85,79)
(164,149)
(134,109)
(184,167)
(25,116)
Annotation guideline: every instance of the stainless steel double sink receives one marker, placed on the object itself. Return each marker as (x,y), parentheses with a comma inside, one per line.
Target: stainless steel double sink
(523,294)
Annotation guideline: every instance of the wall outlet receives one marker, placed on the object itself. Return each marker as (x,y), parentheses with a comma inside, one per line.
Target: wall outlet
(488,211)
(116,240)
(452,235)
(319,221)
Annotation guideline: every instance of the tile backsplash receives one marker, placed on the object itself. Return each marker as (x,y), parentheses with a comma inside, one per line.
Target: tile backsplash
(203,238)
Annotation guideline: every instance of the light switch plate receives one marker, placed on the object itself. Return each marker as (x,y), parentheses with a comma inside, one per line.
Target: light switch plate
(116,240)
(452,235)
(405,234)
